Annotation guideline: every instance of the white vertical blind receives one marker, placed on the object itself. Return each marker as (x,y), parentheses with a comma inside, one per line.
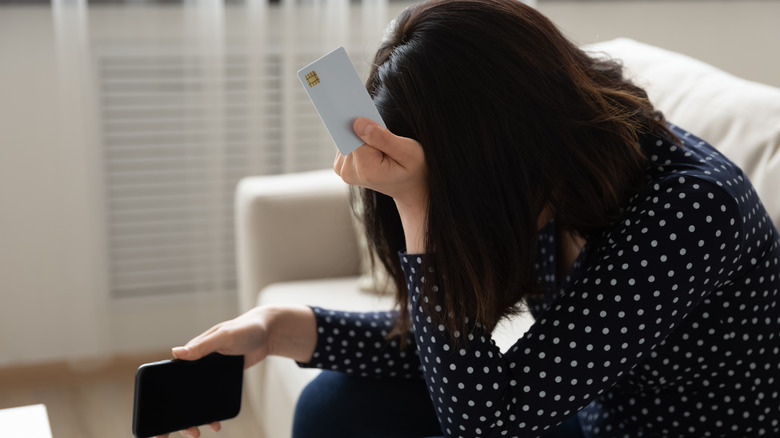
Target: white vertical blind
(183,120)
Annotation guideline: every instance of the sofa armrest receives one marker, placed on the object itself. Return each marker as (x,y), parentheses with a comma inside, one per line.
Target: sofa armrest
(292,227)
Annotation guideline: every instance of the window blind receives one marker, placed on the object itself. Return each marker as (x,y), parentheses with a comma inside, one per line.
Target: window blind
(179,129)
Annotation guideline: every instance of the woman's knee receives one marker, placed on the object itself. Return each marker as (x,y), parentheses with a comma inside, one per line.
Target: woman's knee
(338,405)
(323,407)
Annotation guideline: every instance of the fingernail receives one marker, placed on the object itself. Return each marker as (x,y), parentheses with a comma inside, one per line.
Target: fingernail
(364,126)
(180,350)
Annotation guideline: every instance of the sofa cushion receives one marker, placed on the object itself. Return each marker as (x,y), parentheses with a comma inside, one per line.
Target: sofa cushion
(332,293)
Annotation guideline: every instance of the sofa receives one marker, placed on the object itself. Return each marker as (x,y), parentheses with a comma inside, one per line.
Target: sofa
(297,241)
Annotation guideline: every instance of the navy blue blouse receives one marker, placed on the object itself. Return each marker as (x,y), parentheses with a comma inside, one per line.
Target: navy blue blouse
(667,324)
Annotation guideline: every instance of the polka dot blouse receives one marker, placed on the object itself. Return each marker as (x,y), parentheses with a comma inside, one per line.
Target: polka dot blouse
(668,323)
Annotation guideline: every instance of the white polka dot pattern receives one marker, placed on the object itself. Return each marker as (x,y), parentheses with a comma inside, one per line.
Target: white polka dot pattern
(667,324)
(356,343)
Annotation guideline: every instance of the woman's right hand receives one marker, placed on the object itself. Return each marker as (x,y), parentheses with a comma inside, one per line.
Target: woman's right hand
(288,331)
(245,335)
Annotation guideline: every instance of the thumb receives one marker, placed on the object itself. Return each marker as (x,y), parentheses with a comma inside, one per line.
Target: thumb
(376,135)
(184,353)
(194,350)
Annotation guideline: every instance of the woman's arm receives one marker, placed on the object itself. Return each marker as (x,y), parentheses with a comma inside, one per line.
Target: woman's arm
(394,166)
(292,331)
(280,330)
(357,343)
(638,288)
(351,342)
(413,218)
(288,331)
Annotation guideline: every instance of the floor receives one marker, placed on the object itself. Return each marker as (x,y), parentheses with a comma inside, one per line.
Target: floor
(95,400)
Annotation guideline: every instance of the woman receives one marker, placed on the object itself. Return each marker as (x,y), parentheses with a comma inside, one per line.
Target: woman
(516,168)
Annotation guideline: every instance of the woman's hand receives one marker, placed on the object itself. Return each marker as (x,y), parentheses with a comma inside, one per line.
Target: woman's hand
(394,166)
(245,335)
(194,432)
(386,163)
(288,331)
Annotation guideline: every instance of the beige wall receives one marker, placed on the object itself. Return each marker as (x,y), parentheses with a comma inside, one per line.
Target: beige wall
(740,37)
(53,300)
(45,236)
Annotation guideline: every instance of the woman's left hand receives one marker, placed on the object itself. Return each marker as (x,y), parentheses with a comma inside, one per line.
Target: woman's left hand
(386,163)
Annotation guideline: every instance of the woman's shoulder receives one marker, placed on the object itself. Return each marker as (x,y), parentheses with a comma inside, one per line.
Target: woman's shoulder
(687,163)
(690,190)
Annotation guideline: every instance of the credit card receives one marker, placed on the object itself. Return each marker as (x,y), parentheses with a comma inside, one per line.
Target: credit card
(339,96)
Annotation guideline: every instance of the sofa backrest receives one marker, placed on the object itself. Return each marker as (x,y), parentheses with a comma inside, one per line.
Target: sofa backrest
(740,118)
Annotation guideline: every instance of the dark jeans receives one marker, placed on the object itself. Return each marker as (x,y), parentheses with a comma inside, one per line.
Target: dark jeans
(335,405)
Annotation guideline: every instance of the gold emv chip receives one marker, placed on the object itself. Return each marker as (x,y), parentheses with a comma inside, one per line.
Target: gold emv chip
(312,78)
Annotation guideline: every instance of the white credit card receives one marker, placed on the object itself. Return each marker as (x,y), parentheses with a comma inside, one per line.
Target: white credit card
(339,96)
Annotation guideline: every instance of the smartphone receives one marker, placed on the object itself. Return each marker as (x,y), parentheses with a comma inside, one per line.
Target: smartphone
(172,395)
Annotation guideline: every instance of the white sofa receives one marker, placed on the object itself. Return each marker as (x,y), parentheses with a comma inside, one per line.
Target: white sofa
(296,241)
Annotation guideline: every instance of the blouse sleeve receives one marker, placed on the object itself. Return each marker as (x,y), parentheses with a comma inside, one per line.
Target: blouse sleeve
(357,343)
(636,287)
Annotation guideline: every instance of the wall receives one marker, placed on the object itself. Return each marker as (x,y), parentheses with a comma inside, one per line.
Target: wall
(47,238)
(740,37)
(54,281)
(53,300)
(54,303)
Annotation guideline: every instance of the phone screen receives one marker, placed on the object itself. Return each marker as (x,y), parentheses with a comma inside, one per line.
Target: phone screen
(175,394)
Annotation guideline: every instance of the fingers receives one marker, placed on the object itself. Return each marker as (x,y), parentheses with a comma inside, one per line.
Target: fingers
(345,168)
(379,144)
(192,432)
(195,350)
(403,151)
(386,163)
(378,136)
(197,347)
(338,164)
(364,127)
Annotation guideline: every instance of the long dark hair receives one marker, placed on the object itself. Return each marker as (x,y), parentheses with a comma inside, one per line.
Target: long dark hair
(512,118)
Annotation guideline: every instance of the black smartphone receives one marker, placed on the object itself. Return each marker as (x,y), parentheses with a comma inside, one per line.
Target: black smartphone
(176,394)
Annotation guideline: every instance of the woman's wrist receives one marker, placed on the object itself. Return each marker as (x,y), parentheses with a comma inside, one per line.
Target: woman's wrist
(292,331)
(414,221)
